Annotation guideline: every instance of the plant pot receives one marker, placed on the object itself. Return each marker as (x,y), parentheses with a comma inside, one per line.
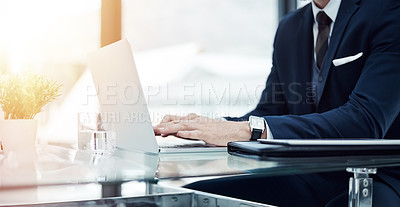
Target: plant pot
(19,138)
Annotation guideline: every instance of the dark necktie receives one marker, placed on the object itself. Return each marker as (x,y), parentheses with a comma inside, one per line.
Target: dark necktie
(324,23)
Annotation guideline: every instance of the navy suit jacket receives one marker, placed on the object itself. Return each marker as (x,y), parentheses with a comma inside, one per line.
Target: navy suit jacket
(360,99)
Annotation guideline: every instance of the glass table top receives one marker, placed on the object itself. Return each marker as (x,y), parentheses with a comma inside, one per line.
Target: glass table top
(57,165)
(61,165)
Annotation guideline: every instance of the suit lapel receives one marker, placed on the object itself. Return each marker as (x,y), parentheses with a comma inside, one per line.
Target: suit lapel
(305,58)
(346,11)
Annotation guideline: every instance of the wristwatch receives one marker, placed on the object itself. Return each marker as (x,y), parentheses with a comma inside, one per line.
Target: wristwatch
(257,126)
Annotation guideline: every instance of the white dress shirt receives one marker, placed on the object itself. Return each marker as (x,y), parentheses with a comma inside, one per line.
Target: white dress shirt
(331,9)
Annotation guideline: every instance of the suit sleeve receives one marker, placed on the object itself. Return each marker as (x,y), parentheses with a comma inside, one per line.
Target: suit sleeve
(373,104)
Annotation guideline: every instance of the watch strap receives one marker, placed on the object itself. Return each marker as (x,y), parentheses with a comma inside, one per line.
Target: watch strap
(256,134)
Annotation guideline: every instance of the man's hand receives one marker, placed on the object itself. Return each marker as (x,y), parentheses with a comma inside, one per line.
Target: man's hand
(212,131)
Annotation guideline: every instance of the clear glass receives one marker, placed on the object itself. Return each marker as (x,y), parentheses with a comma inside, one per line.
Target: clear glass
(96,133)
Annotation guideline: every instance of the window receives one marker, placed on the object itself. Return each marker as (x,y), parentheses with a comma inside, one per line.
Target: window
(52,38)
(208,57)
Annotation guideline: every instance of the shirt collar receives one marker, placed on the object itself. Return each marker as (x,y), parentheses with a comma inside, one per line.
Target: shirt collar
(331,9)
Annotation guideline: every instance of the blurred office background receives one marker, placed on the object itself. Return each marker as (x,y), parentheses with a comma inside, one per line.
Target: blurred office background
(203,56)
(208,57)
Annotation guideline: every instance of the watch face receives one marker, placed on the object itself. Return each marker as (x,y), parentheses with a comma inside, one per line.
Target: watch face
(256,122)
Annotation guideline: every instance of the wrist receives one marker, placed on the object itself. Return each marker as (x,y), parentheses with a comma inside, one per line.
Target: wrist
(245,130)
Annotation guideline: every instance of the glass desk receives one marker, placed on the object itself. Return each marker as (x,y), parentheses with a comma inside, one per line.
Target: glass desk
(61,174)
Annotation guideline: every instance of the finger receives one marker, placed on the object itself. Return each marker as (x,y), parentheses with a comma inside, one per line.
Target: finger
(166,135)
(168,118)
(166,124)
(195,134)
(167,121)
(174,128)
(192,116)
(155,129)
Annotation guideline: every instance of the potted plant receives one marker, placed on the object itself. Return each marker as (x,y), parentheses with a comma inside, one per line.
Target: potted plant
(22,97)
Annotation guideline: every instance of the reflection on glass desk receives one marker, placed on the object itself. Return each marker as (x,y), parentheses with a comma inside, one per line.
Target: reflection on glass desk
(66,168)
(60,165)
(215,164)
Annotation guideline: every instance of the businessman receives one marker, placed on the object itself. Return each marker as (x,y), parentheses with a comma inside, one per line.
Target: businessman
(335,74)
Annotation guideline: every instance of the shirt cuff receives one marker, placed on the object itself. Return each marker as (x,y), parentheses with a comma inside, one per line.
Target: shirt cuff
(269,133)
(222,118)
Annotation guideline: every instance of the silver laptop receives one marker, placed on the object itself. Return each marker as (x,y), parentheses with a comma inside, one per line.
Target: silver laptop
(121,96)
